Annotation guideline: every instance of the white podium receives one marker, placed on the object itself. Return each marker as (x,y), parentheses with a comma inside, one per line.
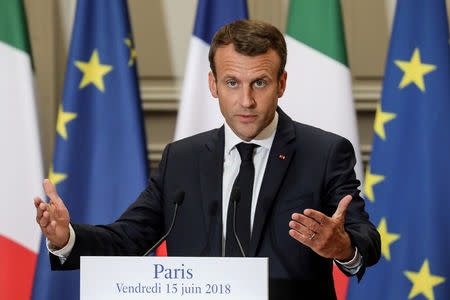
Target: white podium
(225,278)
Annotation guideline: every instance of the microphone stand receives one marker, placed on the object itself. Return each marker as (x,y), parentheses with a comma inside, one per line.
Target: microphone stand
(236,196)
(179,197)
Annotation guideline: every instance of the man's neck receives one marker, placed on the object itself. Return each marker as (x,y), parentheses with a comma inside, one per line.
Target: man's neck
(264,138)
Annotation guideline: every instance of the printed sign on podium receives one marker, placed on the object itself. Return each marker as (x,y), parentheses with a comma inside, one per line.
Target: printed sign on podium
(225,278)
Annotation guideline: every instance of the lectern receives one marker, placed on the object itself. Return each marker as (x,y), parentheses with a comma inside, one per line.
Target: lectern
(225,278)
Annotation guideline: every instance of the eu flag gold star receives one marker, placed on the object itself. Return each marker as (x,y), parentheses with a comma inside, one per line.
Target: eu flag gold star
(63,119)
(387,238)
(56,178)
(380,119)
(129,43)
(423,282)
(414,71)
(371,180)
(93,71)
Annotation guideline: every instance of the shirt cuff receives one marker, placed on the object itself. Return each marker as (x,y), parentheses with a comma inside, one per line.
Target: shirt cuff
(352,266)
(64,252)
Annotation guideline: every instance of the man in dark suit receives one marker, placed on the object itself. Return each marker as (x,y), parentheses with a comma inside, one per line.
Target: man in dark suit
(300,203)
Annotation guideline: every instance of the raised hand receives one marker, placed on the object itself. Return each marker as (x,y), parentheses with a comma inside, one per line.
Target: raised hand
(324,235)
(53,217)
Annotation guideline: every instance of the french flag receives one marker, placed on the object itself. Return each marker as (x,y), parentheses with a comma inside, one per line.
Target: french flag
(198,110)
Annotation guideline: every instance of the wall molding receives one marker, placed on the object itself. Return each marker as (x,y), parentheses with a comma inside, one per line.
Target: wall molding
(154,154)
(160,95)
(366,151)
(366,93)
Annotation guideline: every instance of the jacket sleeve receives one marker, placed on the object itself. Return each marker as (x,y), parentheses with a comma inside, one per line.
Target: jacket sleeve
(137,229)
(340,180)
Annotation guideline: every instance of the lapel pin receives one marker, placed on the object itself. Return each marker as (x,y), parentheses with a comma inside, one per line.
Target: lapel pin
(282,156)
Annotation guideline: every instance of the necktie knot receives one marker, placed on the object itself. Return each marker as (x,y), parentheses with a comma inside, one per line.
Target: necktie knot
(246,151)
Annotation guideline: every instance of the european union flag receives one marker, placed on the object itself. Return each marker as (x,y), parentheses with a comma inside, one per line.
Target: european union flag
(407,182)
(100,162)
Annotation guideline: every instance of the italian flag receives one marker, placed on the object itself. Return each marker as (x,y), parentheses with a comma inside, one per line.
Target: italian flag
(319,83)
(20,157)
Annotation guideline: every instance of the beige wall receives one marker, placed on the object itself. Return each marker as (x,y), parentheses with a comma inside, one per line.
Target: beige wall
(162,29)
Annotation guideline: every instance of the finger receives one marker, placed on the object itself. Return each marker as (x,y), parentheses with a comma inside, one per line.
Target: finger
(51,228)
(301,228)
(37,201)
(305,240)
(317,216)
(45,219)
(342,207)
(40,210)
(50,190)
(307,222)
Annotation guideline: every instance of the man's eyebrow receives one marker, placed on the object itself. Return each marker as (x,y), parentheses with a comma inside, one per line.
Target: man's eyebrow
(262,77)
(228,76)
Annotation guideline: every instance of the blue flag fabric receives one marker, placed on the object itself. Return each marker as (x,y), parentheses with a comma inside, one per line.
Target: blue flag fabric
(407,185)
(100,161)
(213,14)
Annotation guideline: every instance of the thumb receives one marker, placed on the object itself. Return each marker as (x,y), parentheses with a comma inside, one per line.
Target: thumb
(342,207)
(50,190)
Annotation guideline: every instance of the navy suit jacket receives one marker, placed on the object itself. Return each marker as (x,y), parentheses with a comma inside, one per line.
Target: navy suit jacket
(316,172)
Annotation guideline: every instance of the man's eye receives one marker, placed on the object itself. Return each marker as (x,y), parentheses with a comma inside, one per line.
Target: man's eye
(232,83)
(260,83)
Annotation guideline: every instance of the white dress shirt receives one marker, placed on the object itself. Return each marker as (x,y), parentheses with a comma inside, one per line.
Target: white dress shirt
(232,163)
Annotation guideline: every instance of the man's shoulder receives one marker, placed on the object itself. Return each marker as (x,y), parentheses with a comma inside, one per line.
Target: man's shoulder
(198,140)
(305,132)
(316,140)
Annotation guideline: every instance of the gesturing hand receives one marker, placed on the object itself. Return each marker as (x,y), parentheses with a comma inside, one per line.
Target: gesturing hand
(53,217)
(324,235)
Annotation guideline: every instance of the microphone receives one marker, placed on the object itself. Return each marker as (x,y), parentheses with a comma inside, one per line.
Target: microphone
(235,197)
(179,197)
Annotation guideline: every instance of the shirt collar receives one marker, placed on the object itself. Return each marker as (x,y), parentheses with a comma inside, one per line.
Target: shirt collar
(264,139)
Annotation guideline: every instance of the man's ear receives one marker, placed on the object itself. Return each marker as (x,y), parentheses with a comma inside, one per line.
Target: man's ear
(282,84)
(212,84)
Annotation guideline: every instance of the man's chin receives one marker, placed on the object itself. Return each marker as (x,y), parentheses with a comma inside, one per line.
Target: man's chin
(247,135)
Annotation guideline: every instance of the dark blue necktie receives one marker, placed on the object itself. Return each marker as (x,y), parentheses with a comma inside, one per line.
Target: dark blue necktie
(244,181)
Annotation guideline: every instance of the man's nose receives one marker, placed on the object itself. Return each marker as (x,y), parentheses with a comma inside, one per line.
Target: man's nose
(248,99)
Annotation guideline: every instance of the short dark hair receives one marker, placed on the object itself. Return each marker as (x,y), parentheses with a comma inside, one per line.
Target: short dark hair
(249,37)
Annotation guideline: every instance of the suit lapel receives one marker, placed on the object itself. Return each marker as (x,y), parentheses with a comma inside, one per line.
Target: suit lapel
(278,162)
(211,173)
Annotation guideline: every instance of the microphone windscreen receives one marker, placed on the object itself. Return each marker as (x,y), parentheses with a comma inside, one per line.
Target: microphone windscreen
(179,197)
(235,194)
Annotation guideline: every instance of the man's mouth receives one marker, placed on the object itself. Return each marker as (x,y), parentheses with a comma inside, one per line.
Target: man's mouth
(246,118)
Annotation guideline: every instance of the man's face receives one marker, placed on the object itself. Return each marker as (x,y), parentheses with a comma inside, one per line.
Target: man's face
(248,89)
